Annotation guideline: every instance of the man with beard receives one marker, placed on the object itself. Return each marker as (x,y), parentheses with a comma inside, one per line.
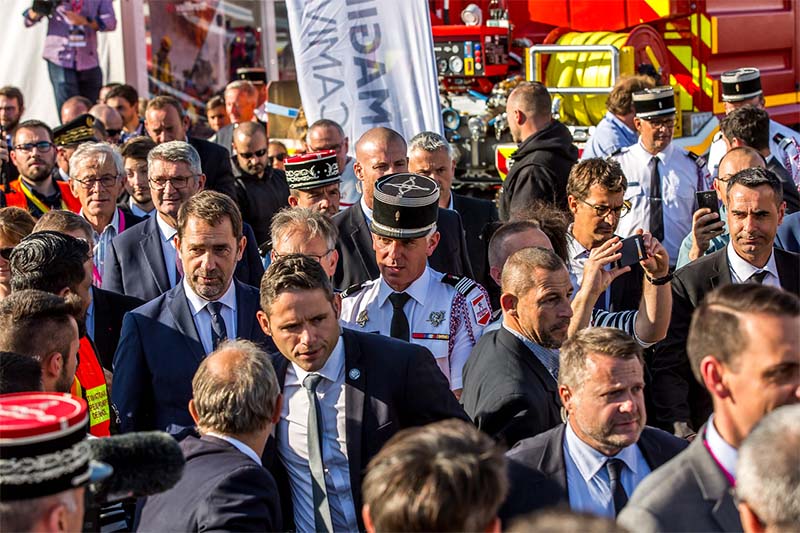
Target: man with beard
(755,210)
(604,450)
(137,188)
(510,380)
(314,180)
(12,106)
(36,189)
(261,191)
(188,322)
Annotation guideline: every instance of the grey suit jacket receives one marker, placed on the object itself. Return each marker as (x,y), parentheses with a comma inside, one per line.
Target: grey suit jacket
(689,493)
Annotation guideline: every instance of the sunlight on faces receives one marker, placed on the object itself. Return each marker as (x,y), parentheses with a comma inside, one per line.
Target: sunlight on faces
(69,361)
(543,313)
(730,165)
(375,160)
(128,112)
(10,112)
(324,199)
(170,199)
(98,201)
(240,105)
(209,255)
(250,144)
(136,183)
(298,242)
(753,220)
(35,164)
(656,133)
(165,125)
(217,117)
(436,165)
(598,229)
(304,325)
(323,138)
(402,261)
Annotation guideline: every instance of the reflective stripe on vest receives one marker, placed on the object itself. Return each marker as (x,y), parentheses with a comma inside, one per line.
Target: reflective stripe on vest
(90,384)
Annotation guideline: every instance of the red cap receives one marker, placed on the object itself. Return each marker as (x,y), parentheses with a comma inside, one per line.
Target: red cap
(311,156)
(35,414)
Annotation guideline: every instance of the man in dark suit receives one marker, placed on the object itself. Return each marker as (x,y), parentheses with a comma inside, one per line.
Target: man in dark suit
(142,261)
(755,210)
(163,342)
(743,346)
(788,237)
(510,388)
(361,388)
(382,151)
(431,155)
(165,121)
(224,487)
(604,450)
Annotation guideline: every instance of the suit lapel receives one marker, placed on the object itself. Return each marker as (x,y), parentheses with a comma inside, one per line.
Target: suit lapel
(362,238)
(713,485)
(787,271)
(178,305)
(651,449)
(151,248)
(245,312)
(354,387)
(516,346)
(552,462)
(721,274)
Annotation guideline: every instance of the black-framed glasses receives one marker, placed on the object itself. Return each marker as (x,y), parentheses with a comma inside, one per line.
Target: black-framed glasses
(278,157)
(257,153)
(106,181)
(5,253)
(177,182)
(668,123)
(42,146)
(317,258)
(602,211)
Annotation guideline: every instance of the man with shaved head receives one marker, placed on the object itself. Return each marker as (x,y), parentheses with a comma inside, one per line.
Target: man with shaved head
(74,107)
(111,119)
(709,231)
(379,152)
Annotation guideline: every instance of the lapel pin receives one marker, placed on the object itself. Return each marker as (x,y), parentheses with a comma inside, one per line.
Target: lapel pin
(354,373)
(436,318)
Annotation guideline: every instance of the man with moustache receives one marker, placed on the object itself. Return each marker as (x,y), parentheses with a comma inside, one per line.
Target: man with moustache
(12,106)
(188,322)
(37,190)
(604,450)
(261,191)
(314,181)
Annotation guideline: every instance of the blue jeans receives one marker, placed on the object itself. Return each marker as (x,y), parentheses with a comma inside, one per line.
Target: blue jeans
(68,82)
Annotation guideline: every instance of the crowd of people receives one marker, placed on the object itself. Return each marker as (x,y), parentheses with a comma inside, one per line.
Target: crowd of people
(344,342)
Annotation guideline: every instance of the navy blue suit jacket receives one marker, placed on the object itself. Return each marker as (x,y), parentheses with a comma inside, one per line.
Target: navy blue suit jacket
(135,262)
(222,489)
(788,236)
(159,351)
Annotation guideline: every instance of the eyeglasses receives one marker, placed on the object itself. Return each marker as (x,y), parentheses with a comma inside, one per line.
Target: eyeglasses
(257,153)
(106,181)
(602,211)
(178,182)
(5,253)
(317,258)
(279,157)
(42,146)
(667,123)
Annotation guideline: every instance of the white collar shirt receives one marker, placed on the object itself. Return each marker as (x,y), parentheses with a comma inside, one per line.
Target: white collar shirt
(239,445)
(292,435)
(201,314)
(102,242)
(724,454)
(577,256)
(588,484)
(367,211)
(741,270)
(138,211)
(168,247)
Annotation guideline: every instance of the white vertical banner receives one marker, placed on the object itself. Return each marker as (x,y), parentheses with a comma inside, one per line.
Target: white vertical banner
(366,63)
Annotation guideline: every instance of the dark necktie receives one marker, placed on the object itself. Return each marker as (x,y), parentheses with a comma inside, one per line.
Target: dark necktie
(656,202)
(614,467)
(399,328)
(758,277)
(218,330)
(322,510)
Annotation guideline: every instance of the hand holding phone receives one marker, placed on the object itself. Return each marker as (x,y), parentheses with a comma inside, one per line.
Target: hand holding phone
(633,251)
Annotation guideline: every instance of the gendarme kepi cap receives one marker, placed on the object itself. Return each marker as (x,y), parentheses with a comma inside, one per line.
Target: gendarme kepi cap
(405,206)
(312,170)
(740,84)
(651,103)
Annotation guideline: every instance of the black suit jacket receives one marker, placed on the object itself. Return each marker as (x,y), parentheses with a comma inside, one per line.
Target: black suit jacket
(130,218)
(476,214)
(508,392)
(135,262)
(109,308)
(676,394)
(357,262)
(216,163)
(159,351)
(222,489)
(397,385)
(545,453)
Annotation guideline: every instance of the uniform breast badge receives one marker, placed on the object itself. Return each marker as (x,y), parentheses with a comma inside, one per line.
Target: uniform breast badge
(362,318)
(436,318)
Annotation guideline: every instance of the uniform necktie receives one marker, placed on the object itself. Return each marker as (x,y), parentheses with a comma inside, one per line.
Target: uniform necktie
(218,330)
(399,328)
(322,510)
(758,277)
(614,467)
(656,202)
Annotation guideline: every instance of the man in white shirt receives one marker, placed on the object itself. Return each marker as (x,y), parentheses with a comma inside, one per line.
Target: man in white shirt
(744,348)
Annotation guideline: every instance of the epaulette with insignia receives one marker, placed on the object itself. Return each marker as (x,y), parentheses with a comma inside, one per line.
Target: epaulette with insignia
(699,160)
(463,284)
(620,150)
(352,289)
(781,140)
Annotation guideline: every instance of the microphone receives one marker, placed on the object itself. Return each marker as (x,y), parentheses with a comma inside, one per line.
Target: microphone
(144,463)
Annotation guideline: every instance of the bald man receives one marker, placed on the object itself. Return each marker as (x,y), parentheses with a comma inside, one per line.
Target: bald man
(709,230)
(111,119)
(74,107)
(380,152)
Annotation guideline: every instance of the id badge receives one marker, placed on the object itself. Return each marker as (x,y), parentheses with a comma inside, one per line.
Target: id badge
(76,37)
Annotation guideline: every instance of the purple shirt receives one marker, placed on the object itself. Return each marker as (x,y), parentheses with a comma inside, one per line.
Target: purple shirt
(75,47)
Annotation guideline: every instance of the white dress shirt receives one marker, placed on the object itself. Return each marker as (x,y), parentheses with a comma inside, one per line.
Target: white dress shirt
(588,484)
(102,242)
(577,256)
(292,435)
(741,270)
(168,247)
(367,210)
(201,314)
(239,445)
(680,178)
(138,211)
(725,454)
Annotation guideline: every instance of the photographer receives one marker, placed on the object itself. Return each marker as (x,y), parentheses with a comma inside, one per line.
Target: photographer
(71,44)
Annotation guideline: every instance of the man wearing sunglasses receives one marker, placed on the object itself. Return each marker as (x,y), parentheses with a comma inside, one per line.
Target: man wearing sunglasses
(662,178)
(37,190)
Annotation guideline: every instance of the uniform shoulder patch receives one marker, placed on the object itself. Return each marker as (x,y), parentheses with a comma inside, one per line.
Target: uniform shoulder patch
(782,141)
(699,160)
(463,284)
(352,289)
(618,151)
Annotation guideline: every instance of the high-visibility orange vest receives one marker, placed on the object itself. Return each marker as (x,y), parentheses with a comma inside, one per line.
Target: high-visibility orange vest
(90,384)
(16,198)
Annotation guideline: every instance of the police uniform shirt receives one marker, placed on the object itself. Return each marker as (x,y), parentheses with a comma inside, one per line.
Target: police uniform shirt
(446,318)
(610,135)
(784,145)
(680,178)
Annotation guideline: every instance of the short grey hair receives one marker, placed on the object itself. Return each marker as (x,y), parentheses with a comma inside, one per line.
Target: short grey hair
(101,152)
(308,222)
(175,152)
(240,401)
(767,471)
(611,342)
(242,85)
(429,141)
(518,272)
